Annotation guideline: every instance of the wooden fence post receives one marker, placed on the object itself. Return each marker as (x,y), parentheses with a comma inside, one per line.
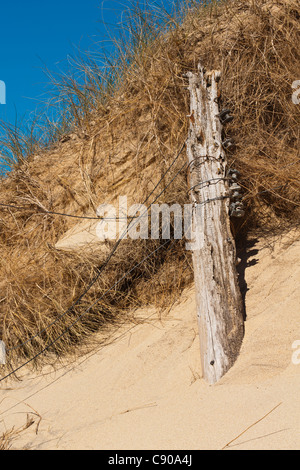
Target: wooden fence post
(219,301)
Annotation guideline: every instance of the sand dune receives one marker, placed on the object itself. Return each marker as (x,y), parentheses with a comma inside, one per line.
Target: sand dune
(144,390)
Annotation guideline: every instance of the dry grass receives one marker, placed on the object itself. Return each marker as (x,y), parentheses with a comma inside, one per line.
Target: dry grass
(123,145)
(8,437)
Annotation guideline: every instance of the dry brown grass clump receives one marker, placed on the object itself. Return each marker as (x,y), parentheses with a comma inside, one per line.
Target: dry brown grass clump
(8,437)
(126,149)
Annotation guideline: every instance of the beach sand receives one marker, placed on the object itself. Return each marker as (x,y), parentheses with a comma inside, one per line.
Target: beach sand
(145,391)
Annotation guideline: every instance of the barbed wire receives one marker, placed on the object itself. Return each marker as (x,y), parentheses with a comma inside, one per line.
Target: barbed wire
(209,182)
(98,275)
(46,212)
(94,280)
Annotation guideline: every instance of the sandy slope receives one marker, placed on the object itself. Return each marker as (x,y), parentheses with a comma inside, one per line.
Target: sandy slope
(144,391)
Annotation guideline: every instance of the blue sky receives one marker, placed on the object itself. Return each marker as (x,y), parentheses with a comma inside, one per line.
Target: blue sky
(35,34)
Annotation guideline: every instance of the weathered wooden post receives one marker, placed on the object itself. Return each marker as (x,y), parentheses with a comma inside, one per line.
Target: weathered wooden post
(219,301)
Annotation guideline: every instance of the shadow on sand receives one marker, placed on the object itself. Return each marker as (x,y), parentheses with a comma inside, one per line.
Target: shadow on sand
(245,250)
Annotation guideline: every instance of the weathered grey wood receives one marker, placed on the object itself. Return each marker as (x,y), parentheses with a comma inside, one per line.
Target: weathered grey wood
(219,302)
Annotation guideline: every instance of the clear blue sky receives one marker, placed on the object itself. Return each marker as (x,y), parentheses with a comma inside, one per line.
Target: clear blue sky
(38,33)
